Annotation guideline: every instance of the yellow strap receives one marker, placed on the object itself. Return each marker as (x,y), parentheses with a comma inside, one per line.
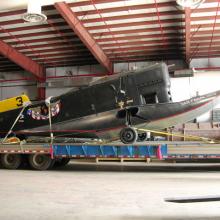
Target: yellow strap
(176,135)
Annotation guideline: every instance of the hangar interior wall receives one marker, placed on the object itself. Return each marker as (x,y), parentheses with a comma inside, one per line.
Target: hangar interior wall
(188,87)
(16,83)
(63,85)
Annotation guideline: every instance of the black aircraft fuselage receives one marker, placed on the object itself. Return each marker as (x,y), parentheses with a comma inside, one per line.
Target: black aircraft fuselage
(138,98)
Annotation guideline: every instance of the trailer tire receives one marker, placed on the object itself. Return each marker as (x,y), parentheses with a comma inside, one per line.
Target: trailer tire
(11,161)
(40,161)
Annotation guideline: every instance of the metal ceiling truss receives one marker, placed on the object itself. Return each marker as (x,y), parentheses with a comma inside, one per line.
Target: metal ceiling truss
(120,30)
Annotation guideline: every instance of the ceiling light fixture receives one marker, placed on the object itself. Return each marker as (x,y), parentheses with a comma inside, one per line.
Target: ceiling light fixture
(190,3)
(34,13)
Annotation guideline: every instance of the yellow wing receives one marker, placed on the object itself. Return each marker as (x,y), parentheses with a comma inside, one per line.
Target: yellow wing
(14,103)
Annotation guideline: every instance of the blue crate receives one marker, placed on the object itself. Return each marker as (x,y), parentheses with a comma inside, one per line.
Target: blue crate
(108,151)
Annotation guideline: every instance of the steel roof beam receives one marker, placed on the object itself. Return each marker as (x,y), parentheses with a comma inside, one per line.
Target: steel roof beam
(150,58)
(109,18)
(69,63)
(20,21)
(146,53)
(141,48)
(196,26)
(51,7)
(137,23)
(50,60)
(216,48)
(206,32)
(53,50)
(206,54)
(69,58)
(86,3)
(145,42)
(53,45)
(52,64)
(66,30)
(153,22)
(34,27)
(201,44)
(204,38)
(23,61)
(123,8)
(140,30)
(83,34)
(47,55)
(142,36)
(55,38)
(91,12)
(131,16)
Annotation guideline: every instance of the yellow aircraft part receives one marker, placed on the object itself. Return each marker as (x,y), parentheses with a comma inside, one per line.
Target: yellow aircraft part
(14,103)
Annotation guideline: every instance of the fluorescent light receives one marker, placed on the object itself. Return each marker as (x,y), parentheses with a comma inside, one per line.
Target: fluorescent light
(34,13)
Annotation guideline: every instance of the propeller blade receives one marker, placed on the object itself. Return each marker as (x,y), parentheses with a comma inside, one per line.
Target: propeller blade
(193,199)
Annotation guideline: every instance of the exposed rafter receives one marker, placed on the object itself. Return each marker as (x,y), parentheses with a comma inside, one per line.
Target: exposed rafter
(21,60)
(83,34)
(213,29)
(125,31)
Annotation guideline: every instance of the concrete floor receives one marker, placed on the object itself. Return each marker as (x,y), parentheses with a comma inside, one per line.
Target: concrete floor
(108,192)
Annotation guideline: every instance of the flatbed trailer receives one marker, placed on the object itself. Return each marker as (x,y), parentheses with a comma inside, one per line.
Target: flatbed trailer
(43,156)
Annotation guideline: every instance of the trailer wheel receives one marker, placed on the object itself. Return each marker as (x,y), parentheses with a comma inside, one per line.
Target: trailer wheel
(40,161)
(128,135)
(11,161)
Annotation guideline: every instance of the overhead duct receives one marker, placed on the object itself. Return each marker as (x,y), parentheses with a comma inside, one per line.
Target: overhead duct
(70,82)
(190,3)
(34,13)
(184,73)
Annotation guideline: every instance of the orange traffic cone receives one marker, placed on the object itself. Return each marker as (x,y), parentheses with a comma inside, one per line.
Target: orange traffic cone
(159,153)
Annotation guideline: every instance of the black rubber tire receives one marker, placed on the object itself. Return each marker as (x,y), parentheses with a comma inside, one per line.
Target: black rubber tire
(11,161)
(128,135)
(142,137)
(40,161)
(62,162)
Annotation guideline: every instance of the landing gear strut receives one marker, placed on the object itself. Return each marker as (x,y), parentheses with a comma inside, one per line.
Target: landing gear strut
(128,135)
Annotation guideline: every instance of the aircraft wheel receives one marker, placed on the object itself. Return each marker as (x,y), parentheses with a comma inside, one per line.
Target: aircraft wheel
(142,136)
(11,161)
(128,135)
(40,161)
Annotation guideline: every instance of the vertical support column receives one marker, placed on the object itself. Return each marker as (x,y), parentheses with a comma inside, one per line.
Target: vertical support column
(187,34)
(41,93)
(41,89)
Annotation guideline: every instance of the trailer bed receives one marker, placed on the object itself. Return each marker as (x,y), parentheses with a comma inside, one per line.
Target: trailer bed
(159,150)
